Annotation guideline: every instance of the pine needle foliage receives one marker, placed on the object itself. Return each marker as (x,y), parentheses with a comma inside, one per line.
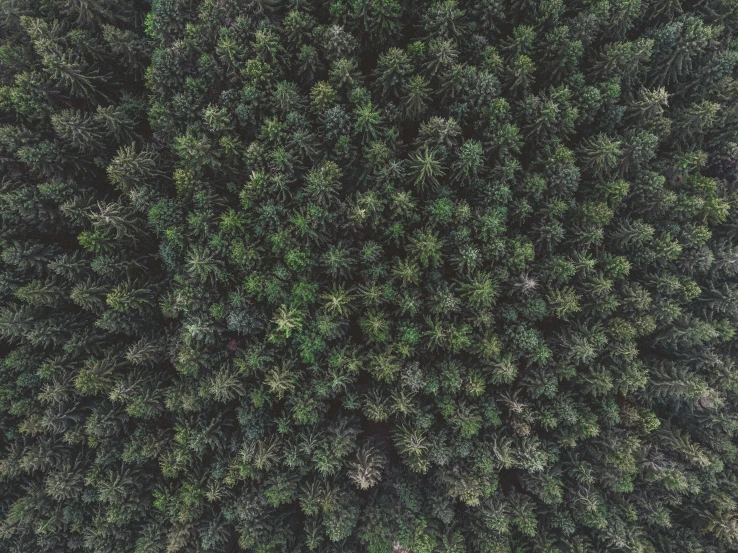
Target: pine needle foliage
(435,276)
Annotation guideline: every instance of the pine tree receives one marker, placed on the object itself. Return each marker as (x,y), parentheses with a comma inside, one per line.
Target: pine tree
(421,276)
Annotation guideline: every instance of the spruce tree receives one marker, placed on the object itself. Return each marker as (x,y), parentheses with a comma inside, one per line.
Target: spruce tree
(429,276)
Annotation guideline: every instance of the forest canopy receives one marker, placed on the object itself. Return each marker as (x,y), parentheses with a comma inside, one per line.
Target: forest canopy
(372,276)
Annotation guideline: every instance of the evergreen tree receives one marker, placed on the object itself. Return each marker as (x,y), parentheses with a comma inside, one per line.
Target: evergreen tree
(430,276)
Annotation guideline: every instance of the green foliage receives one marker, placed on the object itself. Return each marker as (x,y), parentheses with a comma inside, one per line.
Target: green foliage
(430,276)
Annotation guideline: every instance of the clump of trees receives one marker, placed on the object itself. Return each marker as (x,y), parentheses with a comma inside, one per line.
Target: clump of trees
(434,276)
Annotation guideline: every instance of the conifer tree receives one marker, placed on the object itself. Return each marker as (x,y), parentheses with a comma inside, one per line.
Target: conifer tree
(430,276)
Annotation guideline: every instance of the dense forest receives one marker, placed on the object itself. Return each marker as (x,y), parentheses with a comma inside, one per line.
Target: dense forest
(371,276)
